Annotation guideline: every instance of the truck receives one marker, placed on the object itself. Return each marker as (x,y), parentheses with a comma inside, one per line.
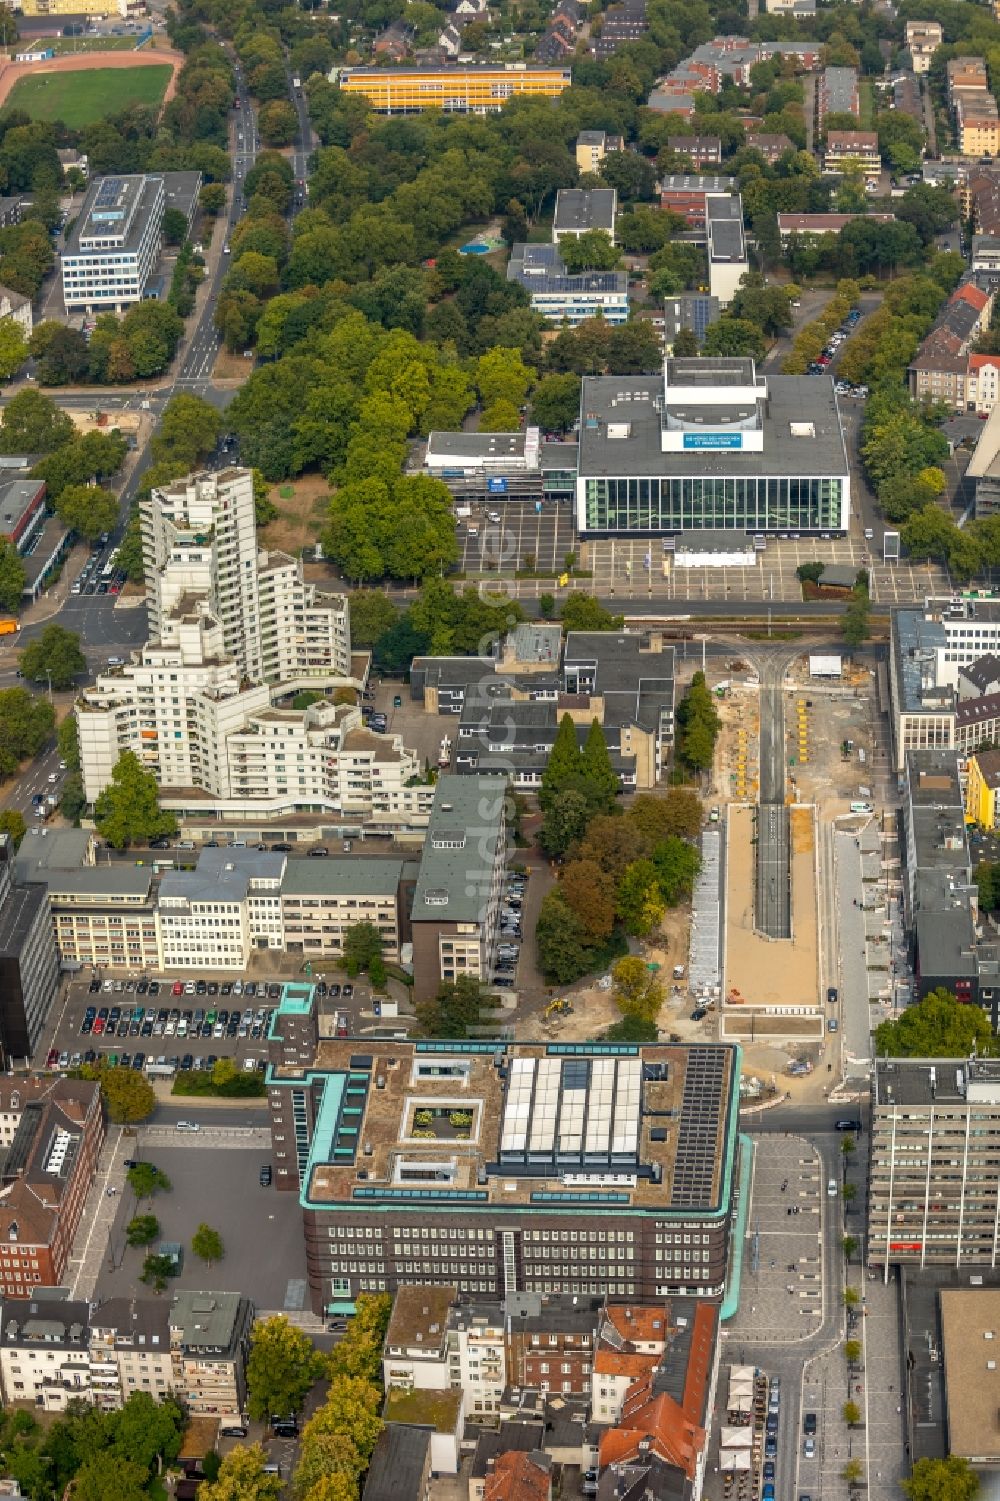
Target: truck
(296,82)
(342,1024)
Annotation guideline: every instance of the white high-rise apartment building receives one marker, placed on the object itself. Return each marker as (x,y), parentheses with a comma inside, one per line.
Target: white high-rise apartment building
(230,628)
(199,539)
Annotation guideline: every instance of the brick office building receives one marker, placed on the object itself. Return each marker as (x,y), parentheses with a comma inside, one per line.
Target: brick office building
(588,1169)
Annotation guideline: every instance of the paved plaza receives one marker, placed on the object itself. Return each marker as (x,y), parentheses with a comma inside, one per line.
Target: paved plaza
(782,1285)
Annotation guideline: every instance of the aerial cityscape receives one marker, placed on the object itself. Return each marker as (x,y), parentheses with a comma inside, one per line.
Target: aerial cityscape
(499,750)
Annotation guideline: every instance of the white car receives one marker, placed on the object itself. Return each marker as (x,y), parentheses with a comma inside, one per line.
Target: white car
(493,516)
(188,1126)
(53,776)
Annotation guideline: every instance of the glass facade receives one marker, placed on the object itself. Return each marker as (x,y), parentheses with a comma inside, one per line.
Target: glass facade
(713,503)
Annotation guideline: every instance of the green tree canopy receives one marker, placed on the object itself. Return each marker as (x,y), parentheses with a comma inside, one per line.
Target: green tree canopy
(951,1479)
(282,1368)
(26,722)
(53,655)
(936,1027)
(128,811)
(206,1243)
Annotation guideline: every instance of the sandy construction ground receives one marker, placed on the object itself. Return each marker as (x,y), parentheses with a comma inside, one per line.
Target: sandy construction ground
(78,62)
(767,972)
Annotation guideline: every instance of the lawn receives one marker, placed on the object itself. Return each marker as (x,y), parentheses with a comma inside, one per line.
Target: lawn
(78,99)
(61,44)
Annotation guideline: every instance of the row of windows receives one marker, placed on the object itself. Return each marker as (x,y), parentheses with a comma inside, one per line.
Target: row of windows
(714,503)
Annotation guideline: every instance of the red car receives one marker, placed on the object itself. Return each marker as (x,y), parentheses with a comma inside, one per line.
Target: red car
(98,1027)
(53,1058)
(178,987)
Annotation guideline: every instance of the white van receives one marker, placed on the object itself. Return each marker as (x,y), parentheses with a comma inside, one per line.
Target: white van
(831,1188)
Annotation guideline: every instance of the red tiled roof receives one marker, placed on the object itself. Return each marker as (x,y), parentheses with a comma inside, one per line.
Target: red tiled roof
(641,1323)
(613,1363)
(971,294)
(517,1477)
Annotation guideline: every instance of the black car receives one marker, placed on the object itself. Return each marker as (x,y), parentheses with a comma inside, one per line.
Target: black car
(201,988)
(334,992)
(95,986)
(187,1061)
(809,1424)
(213,988)
(698,1014)
(142,987)
(846,1125)
(154,987)
(347,992)
(138,1059)
(88,1026)
(282,849)
(265,1175)
(831,995)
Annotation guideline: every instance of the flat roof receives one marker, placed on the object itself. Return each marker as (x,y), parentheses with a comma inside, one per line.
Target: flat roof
(970,1329)
(794,399)
(379,876)
(17,497)
(953,1082)
(456,864)
(577,1128)
(582,209)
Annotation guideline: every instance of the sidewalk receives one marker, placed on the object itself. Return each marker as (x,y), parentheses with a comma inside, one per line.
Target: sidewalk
(92,1242)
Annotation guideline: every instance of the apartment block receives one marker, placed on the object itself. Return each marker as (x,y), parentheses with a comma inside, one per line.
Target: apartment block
(130,1349)
(941,369)
(771,145)
(838,93)
(923,38)
(688,194)
(812,226)
(394,1193)
(850,151)
(465,88)
(934,1194)
(209,1346)
(46,1169)
(728,260)
(592,146)
(620,23)
(702,151)
(630,1347)
(434,1343)
(45,1351)
(982,783)
(114,244)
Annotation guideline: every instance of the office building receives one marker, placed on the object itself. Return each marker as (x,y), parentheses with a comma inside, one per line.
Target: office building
(564,298)
(209,1346)
(970,1318)
(53,1132)
(710,445)
(923,38)
(838,93)
(114,244)
(934,1192)
(29,966)
(727,247)
(455,913)
(45,1351)
(559,1178)
(579,210)
(462,88)
(849,151)
(592,146)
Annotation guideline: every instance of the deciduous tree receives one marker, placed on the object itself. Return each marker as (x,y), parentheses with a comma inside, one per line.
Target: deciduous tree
(207,1245)
(128,810)
(54,655)
(282,1368)
(936,1027)
(637,990)
(242,1477)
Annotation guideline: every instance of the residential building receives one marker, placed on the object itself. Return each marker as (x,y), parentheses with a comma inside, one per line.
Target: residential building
(72,160)
(982,783)
(659,1440)
(849,151)
(200,539)
(450,40)
(696,311)
(22,510)
(978,123)
(986,253)
(46,1169)
(796,8)
(728,261)
(209,1345)
(558,43)
(934,1194)
(907,98)
(551,1342)
(967,73)
(514,738)
(564,298)
(620,23)
(114,244)
(130,1349)
(45,1351)
(592,146)
(17,308)
(631,1343)
(579,210)
(710,444)
(400,1466)
(29,966)
(702,151)
(811,226)
(519,1477)
(923,38)
(688,195)
(633,1211)
(940,368)
(394,42)
(984,467)
(11,210)
(436,1343)
(455,913)
(771,145)
(465,88)
(931,692)
(838,93)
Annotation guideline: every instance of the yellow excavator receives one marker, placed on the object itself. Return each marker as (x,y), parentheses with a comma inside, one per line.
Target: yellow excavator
(558,1007)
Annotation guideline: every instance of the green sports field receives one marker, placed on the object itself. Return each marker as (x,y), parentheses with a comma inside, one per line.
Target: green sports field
(80,98)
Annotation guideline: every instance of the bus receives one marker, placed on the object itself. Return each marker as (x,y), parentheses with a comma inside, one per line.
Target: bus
(862,808)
